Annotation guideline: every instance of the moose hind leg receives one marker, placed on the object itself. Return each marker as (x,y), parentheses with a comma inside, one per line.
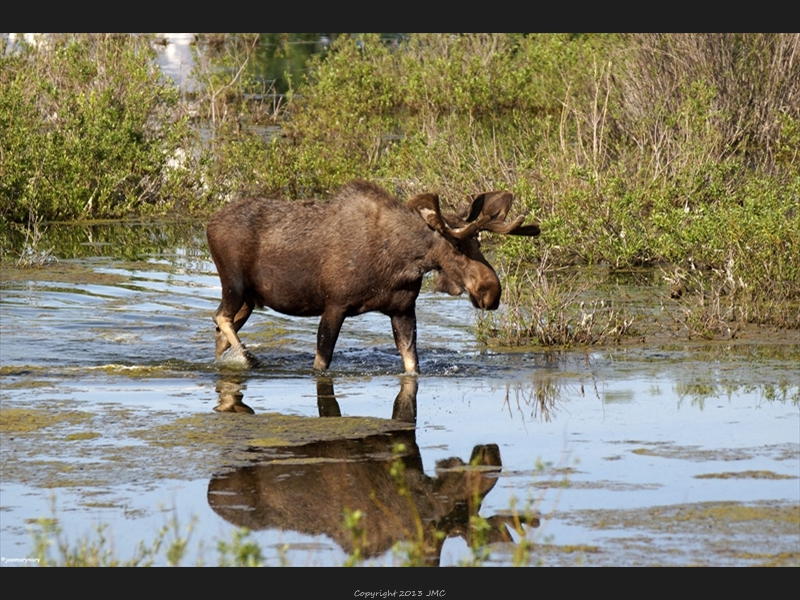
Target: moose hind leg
(227,326)
(404,328)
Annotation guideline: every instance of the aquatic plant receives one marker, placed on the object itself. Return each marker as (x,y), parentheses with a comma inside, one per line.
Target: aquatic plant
(169,546)
(33,254)
(542,306)
(240,551)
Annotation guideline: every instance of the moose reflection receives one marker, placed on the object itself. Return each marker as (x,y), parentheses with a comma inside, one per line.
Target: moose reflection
(231,398)
(310,488)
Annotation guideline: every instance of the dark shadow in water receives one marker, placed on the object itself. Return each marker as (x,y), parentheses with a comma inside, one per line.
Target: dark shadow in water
(311,488)
(404,408)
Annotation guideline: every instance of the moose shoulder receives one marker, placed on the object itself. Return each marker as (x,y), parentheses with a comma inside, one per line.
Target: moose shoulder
(362,251)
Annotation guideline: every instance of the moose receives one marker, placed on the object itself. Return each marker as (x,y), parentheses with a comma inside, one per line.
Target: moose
(362,251)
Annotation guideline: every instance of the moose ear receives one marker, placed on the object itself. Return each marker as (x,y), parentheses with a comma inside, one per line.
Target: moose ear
(442,283)
(427,205)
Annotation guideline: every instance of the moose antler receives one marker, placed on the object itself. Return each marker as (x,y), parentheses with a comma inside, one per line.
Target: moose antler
(487,213)
(495,205)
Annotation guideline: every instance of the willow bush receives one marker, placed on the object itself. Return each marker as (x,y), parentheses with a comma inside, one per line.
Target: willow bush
(88,127)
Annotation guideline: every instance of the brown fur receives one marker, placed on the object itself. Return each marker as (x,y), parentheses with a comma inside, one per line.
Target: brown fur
(362,251)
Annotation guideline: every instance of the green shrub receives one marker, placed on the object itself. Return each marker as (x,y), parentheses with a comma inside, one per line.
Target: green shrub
(87,128)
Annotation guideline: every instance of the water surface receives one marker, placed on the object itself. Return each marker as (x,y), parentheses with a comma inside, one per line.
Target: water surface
(114,412)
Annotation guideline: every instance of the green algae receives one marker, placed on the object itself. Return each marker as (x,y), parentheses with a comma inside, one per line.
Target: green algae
(24,420)
(269,333)
(699,454)
(263,430)
(573,548)
(84,435)
(27,384)
(69,272)
(602,484)
(731,512)
(705,533)
(745,475)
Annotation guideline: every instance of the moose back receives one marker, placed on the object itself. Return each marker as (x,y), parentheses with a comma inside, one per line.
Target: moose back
(362,251)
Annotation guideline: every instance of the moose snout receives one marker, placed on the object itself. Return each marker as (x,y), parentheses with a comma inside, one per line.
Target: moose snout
(487,296)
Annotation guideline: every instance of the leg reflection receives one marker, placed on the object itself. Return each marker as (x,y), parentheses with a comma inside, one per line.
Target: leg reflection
(230,396)
(326,398)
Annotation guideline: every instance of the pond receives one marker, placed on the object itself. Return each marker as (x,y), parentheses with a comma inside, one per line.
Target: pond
(115,416)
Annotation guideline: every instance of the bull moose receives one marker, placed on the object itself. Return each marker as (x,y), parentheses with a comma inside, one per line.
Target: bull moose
(362,251)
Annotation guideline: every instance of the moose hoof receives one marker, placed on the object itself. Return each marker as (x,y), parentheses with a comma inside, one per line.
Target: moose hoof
(251,360)
(239,355)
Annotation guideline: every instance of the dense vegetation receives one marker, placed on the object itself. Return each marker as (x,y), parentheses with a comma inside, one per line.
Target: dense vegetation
(670,151)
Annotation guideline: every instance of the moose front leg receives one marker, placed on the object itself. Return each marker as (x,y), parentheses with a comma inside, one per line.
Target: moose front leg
(404,328)
(328,333)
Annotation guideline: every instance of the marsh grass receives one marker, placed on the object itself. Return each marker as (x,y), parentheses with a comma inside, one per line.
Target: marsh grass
(240,551)
(541,305)
(98,550)
(33,253)
(170,546)
(720,303)
(709,308)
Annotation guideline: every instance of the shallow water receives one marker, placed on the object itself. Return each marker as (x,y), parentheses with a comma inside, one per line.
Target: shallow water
(669,454)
